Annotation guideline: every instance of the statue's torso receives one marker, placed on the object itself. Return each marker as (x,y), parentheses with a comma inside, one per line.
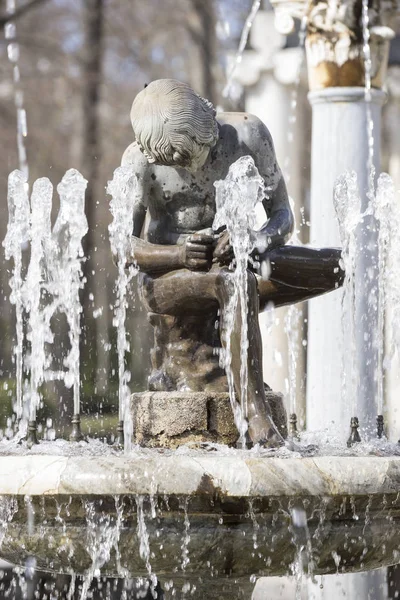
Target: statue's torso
(180,203)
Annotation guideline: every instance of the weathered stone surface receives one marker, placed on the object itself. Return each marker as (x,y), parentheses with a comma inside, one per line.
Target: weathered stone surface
(222,493)
(169,419)
(235,474)
(363,530)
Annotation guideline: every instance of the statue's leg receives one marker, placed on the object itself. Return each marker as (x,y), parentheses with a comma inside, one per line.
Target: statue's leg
(299,273)
(193,291)
(261,427)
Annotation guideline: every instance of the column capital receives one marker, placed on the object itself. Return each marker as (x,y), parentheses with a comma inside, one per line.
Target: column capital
(334,38)
(346,94)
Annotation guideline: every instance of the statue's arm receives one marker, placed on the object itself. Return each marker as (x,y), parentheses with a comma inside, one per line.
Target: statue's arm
(157,259)
(195,254)
(279,226)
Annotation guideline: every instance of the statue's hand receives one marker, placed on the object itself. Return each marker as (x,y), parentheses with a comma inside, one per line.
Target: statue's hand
(197,252)
(223,253)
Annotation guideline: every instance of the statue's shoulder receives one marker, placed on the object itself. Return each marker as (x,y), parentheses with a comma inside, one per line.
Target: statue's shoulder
(249,128)
(135,158)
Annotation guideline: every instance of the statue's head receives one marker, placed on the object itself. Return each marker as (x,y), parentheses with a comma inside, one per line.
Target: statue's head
(173,125)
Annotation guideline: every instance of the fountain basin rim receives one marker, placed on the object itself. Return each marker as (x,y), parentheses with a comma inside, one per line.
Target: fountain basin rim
(186,475)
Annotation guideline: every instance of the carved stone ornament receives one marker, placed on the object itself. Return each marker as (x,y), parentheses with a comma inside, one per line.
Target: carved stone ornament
(335,41)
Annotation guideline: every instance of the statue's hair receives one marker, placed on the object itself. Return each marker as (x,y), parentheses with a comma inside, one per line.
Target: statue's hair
(170,122)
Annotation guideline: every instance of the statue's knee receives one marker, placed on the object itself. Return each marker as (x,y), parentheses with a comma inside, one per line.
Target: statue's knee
(226,284)
(252,286)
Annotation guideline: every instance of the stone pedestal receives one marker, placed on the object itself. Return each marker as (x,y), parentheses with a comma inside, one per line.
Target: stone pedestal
(170,419)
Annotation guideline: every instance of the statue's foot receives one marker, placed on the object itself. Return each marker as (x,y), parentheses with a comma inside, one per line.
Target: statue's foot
(272,440)
(262,431)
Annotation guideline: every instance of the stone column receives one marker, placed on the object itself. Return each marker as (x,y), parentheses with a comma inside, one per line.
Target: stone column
(392,120)
(339,144)
(335,45)
(336,69)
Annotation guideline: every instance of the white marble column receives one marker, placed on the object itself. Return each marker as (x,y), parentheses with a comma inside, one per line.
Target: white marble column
(392,120)
(339,143)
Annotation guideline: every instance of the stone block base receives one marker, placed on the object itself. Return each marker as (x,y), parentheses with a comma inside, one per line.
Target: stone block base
(170,419)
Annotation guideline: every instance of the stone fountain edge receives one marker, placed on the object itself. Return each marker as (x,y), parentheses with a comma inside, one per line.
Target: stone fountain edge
(186,475)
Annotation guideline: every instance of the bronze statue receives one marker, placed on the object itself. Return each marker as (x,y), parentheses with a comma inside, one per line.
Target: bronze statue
(182,147)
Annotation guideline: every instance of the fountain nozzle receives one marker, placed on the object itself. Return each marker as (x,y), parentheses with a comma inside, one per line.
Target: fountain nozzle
(31,438)
(380,426)
(293,433)
(119,440)
(354,435)
(76,434)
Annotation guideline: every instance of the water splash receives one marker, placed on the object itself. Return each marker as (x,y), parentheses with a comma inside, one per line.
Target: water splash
(102,536)
(38,326)
(388,213)
(52,283)
(383,201)
(236,199)
(124,192)
(304,562)
(256,525)
(69,229)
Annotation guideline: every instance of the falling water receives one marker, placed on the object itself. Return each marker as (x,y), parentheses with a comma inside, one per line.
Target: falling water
(367,94)
(124,193)
(53,280)
(236,199)
(386,210)
(302,540)
(242,45)
(102,536)
(186,535)
(17,235)
(348,210)
(293,329)
(144,543)
(8,508)
(13,52)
